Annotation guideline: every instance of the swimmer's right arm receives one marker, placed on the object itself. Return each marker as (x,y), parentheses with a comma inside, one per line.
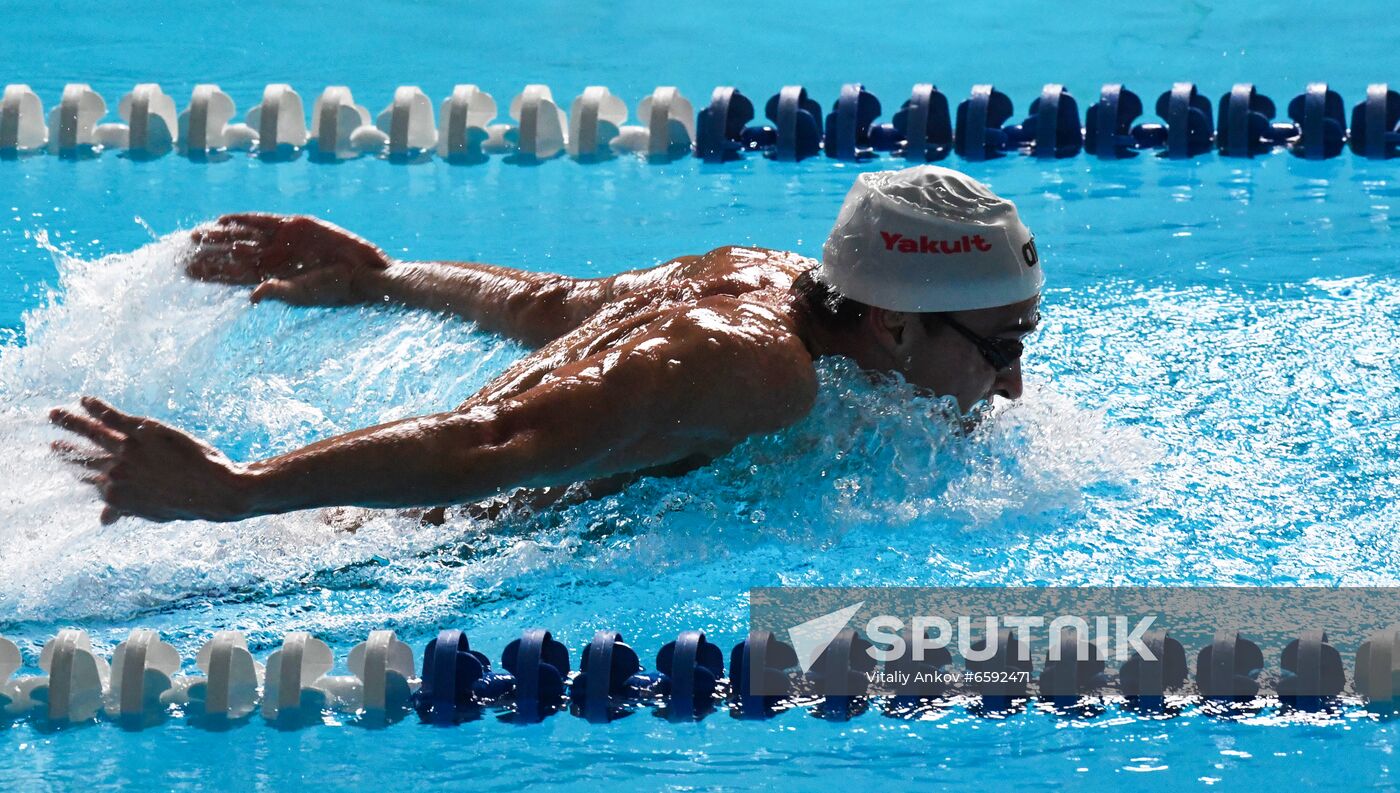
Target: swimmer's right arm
(656,400)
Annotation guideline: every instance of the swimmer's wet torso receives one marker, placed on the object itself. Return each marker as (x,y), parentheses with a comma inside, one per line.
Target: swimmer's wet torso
(651,370)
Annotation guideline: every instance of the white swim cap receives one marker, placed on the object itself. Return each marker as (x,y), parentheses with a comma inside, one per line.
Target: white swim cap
(929,239)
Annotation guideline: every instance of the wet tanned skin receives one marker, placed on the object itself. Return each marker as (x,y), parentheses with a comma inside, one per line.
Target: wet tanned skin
(649,371)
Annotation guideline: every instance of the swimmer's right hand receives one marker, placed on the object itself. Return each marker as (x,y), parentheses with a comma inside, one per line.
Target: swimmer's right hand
(293,258)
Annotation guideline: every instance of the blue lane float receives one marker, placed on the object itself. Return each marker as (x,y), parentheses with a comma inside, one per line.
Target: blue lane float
(1073,668)
(923,126)
(610,679)
(797,125)
(456,679)
(921,674)
(691,670)
(843,665)
(1146,682)
(848,125)
(1189,131)
(1375,124)
(1001,672)
(760,663)
(1245,123)
(1320,117)
(979,135)
(1108,124)
(1050,131)
(1054,125)
(1378,670)
(1312,672)
(720,127)
(1228,668)
(538,667)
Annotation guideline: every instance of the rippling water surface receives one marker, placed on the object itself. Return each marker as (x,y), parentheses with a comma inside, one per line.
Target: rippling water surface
(1213,399)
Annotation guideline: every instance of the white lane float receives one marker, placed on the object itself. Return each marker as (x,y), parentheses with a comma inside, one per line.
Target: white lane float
(10,662)
(466,118)
(669,133)
(294,688)
(73,122)
(72,687)
(381,682)
(229,688)
(22,127)
(276,127)
(151,127)
(406,126)
(335,118)
(542,128)
(204,122)
(595,118)
(143,683)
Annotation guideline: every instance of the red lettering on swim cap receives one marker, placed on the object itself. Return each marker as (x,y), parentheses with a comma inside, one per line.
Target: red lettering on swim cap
(931,245)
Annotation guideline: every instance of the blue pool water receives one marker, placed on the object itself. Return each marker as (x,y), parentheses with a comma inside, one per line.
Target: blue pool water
(1213,398)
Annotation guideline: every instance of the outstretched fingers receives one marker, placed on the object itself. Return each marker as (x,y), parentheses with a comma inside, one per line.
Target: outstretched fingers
(88,458)
(117,420)
(99,433)
(95,468)
(139,466)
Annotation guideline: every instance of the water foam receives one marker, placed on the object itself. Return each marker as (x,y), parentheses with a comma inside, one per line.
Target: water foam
(132,329)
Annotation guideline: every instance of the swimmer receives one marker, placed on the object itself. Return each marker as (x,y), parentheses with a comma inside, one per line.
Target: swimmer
(649,372)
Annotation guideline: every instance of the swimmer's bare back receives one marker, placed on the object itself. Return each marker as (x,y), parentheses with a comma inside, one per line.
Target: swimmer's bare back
(648,370)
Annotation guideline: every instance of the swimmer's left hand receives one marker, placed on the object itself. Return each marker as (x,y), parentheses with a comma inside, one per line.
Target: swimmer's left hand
(260,248)
(145,468)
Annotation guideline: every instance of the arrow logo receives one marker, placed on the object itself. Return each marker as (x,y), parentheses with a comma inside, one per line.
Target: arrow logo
(810,638)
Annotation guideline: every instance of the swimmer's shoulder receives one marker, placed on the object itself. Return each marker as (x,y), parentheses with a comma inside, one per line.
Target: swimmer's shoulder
(738,269)
(768,356)
(747,256)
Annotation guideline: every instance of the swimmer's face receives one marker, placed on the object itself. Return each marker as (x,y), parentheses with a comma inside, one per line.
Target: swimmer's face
(933,355)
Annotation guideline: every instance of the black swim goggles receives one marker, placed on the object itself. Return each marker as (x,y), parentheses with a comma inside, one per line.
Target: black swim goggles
(999,353)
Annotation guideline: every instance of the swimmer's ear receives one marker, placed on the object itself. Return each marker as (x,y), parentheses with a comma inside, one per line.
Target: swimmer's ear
(887,326)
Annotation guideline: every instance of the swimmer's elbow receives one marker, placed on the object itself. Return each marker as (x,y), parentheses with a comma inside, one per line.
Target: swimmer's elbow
(476,453)
(523,443)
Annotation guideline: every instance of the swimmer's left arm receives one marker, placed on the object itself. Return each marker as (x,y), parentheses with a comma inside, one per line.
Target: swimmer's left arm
(654,401)
(306,261)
